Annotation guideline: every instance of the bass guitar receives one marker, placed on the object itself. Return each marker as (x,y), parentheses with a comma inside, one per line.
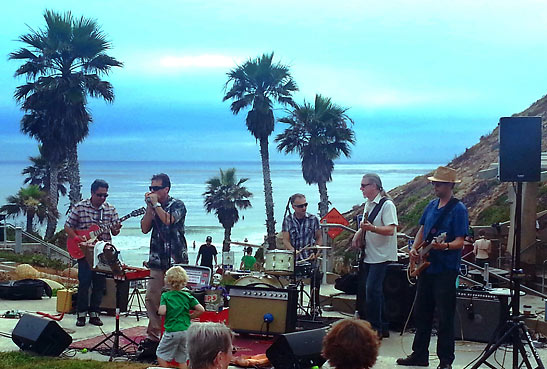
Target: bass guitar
(416,268)
(91,234)
(363,241)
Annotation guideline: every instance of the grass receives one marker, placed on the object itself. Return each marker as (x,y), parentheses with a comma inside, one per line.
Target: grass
(412,217)
(20,360)
(498,212)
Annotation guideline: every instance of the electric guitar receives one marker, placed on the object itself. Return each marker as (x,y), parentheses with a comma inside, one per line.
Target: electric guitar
(91,234)
(362,249)
(416,268)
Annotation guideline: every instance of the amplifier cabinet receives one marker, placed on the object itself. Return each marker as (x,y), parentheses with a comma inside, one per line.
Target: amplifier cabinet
(249,307)
(478,315)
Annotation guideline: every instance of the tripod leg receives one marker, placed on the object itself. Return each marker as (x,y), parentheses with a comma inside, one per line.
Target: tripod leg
(492,348)
(533,350)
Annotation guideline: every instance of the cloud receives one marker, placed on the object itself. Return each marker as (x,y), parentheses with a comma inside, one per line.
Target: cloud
(161,62)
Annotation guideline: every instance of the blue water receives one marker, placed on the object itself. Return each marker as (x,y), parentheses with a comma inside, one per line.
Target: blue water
(130,180)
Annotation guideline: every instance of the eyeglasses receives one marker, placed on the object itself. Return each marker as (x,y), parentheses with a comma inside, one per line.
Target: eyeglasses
(435,184)
(105,195)
(156,188)
(364,185)
(300,206)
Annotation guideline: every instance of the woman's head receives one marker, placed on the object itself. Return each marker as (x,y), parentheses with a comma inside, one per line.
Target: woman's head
(351,344)
(209,345)
(176,277)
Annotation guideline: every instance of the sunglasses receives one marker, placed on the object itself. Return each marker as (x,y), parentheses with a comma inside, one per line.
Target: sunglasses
(364,185)
(435,184)
(105,195)
(301,205)
(156,188)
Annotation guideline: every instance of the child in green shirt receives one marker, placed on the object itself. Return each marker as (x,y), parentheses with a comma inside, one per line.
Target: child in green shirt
(176,305)
(248,261)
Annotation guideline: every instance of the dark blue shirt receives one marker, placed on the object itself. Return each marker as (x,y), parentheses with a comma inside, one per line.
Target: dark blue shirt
(455,224)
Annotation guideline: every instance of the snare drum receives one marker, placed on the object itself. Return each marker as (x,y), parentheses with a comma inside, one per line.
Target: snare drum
(279,262)
(259,280)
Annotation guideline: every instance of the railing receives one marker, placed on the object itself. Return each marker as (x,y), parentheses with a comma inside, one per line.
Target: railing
(51,251)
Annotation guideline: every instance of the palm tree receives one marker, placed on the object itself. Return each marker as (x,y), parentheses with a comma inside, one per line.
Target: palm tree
(63,65)
(38,173)
(30,202)
(225,195)
(320,135)
(259,84)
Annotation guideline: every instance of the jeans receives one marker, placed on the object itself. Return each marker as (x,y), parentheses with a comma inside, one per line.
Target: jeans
(435,290)
(88,278)
(370,294)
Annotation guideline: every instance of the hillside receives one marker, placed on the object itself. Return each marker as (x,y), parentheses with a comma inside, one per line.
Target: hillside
(485,199)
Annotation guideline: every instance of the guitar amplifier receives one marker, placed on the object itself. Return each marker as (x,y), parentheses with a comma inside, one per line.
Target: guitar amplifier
(478,315)
(250,306)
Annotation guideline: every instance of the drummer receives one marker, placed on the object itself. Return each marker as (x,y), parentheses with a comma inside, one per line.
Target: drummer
(301,230)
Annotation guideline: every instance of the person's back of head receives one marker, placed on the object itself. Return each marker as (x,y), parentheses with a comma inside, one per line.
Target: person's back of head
(209,345)
(351,344)
(176,278)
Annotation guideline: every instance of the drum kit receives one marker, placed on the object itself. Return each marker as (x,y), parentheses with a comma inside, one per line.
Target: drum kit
(280,269)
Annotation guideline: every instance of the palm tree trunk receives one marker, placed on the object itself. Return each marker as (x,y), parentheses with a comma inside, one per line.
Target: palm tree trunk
(323,199)
(53,198)
(75,193)
(227,238)
(30,217)
(268,193)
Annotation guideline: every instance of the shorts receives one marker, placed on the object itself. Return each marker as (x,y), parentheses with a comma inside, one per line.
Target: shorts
(173,347)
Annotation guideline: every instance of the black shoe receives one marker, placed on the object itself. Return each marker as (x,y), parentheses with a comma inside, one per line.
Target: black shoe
(444,366)
(95,320)
(80,321)
(385,334)
(411,360)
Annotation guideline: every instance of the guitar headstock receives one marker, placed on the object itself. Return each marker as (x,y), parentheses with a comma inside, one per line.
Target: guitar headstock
(137,212)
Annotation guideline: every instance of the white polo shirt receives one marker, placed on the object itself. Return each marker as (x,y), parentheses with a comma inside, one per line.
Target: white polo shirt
(381,248)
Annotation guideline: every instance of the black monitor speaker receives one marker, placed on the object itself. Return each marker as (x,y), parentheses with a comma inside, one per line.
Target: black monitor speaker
(41,336)
(297,350)
(520,149)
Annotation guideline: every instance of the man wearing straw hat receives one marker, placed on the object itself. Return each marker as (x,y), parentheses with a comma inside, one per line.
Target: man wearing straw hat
(437,284)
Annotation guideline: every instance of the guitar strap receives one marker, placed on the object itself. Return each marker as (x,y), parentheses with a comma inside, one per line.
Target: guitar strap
(447,209)
(372,216)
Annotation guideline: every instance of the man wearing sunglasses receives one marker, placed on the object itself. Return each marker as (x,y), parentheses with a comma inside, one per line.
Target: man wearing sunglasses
(436,289)
(83,215)
(380,249)
(165,217)
(301,230)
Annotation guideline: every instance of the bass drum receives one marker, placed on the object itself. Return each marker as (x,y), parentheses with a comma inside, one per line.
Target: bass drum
(259,281)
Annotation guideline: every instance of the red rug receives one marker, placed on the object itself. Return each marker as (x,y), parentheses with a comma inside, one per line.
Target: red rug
(246,345)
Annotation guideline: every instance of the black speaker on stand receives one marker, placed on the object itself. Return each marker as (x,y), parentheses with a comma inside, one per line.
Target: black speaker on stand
(520,149)
(42,336)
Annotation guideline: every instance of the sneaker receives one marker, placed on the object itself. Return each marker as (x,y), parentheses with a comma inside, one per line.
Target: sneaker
(80,321)
(95,320)
(411,360)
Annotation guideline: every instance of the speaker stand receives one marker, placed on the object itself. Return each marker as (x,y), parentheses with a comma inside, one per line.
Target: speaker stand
(514,328)
(115,349)
(136,295)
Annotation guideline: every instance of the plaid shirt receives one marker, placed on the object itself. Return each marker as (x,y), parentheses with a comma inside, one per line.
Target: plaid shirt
(83,215)
(168,237)
(301,233)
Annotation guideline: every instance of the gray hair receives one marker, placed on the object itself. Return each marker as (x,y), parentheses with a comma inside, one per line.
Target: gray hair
(205,341)
(375,179)
(296,196)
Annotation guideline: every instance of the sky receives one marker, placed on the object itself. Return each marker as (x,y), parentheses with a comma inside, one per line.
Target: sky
(422,80)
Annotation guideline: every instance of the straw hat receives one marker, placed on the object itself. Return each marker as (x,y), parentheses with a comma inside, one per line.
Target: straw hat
(444,174)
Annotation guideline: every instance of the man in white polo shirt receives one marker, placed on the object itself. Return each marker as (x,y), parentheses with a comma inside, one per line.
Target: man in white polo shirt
(380,250)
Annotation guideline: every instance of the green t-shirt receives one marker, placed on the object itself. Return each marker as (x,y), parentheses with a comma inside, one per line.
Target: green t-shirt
(248,262)
(178,304)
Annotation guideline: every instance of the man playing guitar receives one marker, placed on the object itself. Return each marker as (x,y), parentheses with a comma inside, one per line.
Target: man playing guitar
(379,226)
(83,215)
(437,284)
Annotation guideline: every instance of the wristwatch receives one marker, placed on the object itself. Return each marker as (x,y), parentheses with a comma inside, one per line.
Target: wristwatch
(447,246)
(158,205)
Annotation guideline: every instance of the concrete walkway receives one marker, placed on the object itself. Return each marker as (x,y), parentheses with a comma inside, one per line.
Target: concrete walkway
(392,348)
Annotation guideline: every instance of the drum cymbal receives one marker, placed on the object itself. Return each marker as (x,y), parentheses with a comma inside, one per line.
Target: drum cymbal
(245,244)
(316,248)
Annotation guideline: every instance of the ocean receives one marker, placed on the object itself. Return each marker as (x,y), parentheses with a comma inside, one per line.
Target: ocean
(129,180)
